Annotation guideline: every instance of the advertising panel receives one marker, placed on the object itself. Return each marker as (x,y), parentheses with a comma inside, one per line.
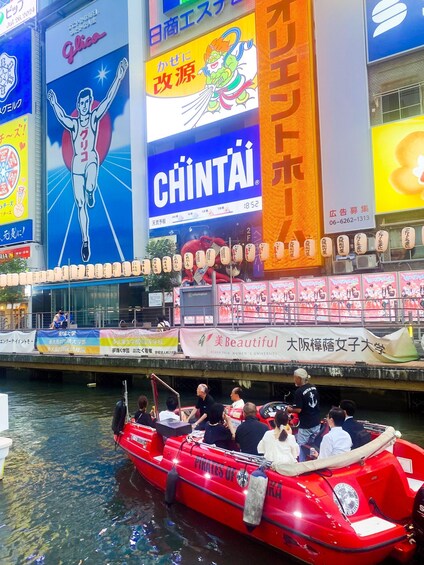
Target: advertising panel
(138,342)
(411,292)
(89,198)
(226,313)
(312,296)
(201,82)
(15,253)
(345,298)
(15,13)
(255,303)
(177,308)
(282,298)
(398,153)
(14,173)
(288,127)
(173,21)
(65,342)
(379,291)
(15,77)
(393,27)
(17,342)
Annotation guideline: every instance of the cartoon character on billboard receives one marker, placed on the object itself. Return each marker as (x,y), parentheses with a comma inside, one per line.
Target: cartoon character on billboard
(408,179)
(84,129)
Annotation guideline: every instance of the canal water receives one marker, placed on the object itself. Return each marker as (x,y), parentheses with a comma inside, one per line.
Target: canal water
(68,498)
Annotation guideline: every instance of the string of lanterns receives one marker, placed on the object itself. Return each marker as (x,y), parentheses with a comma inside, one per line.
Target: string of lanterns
(235,254)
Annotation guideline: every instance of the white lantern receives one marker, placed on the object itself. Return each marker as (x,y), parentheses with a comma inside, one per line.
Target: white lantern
(3,280)
(278,250)
(43,277)
(107,270)
(188,260)
(200,258)
(408,238)
(210,257)
(12,279)
(89,271)
(81,272)
(294,249)
(98,271)
(73,271)
(263,249)
(225,255)
(167,264)
(237,253)
(156,266)
(309,248)
(36,278)
(360,243)
(135,267)
(23,279)
(146,267)
(126,268)
(343,246)
(326,246)
(381,241)
(177,262)
(50,275)
(250,252)
(57,274)
(116,269)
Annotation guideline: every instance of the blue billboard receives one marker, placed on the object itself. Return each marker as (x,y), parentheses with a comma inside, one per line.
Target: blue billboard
(15,77)
(393,27)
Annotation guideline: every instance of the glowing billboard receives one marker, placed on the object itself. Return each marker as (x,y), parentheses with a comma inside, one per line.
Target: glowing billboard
(15,13)
(288,127)
(201,82)
(398,153)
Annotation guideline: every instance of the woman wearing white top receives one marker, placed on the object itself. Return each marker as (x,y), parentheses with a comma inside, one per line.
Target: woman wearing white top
(279,445)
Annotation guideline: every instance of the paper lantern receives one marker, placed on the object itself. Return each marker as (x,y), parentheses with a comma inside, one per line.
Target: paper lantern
(36,277)
(343,245)
(135,268)
(237,253)
(167,264)
(23,279)
(73,272)
(294,249)
(107,270)
(65,272)
(12,279)
(177,262)
(200,258)
(126,268)
(116,269)
(278,250)
(98,271)
(156,266)
(225,255)
(408,238)
(81,272)
(250,252)
(326,247)
(57,274)
(210,257)
(263,249)
(381,241)
(43,277)
(146,267)
(188,261)
(89,271)
(3,280)
(360,243)
(309,248)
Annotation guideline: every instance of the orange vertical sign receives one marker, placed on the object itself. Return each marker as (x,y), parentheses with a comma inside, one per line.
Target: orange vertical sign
(288,127)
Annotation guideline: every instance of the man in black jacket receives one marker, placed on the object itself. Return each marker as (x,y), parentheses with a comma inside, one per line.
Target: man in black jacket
(251,431)
(360,436)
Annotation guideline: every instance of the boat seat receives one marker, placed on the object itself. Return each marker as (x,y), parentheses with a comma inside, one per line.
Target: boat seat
(173,428)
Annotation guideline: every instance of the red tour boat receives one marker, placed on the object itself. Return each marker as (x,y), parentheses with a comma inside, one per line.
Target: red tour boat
(362,506)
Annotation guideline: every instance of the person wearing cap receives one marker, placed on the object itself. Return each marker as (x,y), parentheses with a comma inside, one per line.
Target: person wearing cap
(306,404)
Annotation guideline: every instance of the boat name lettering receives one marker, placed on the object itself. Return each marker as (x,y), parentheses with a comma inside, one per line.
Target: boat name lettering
(215,469)
(274,490)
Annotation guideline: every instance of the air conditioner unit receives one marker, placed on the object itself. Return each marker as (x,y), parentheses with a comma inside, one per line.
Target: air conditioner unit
(342,267)
(366,262)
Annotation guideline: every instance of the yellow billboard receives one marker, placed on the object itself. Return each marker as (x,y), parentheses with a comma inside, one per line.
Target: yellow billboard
(14,171)
(398,154)
(203,81)
(291,187)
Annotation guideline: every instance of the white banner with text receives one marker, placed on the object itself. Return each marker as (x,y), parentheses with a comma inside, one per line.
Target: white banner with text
(17,342)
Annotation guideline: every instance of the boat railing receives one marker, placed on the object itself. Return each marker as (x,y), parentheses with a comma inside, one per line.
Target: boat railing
(155,380)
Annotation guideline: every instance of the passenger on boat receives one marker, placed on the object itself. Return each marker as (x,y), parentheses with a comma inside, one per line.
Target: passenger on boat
(169,413)
(203,404)
(250,431)
(306,404)
(143,417)
(219,429)
(278,445)
(359,435)
(237,397)
(337,440)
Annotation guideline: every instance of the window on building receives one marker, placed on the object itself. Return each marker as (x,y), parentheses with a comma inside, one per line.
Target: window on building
(401,104)
(396,252)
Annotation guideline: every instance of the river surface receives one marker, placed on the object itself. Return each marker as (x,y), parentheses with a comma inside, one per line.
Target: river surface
(69,498)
